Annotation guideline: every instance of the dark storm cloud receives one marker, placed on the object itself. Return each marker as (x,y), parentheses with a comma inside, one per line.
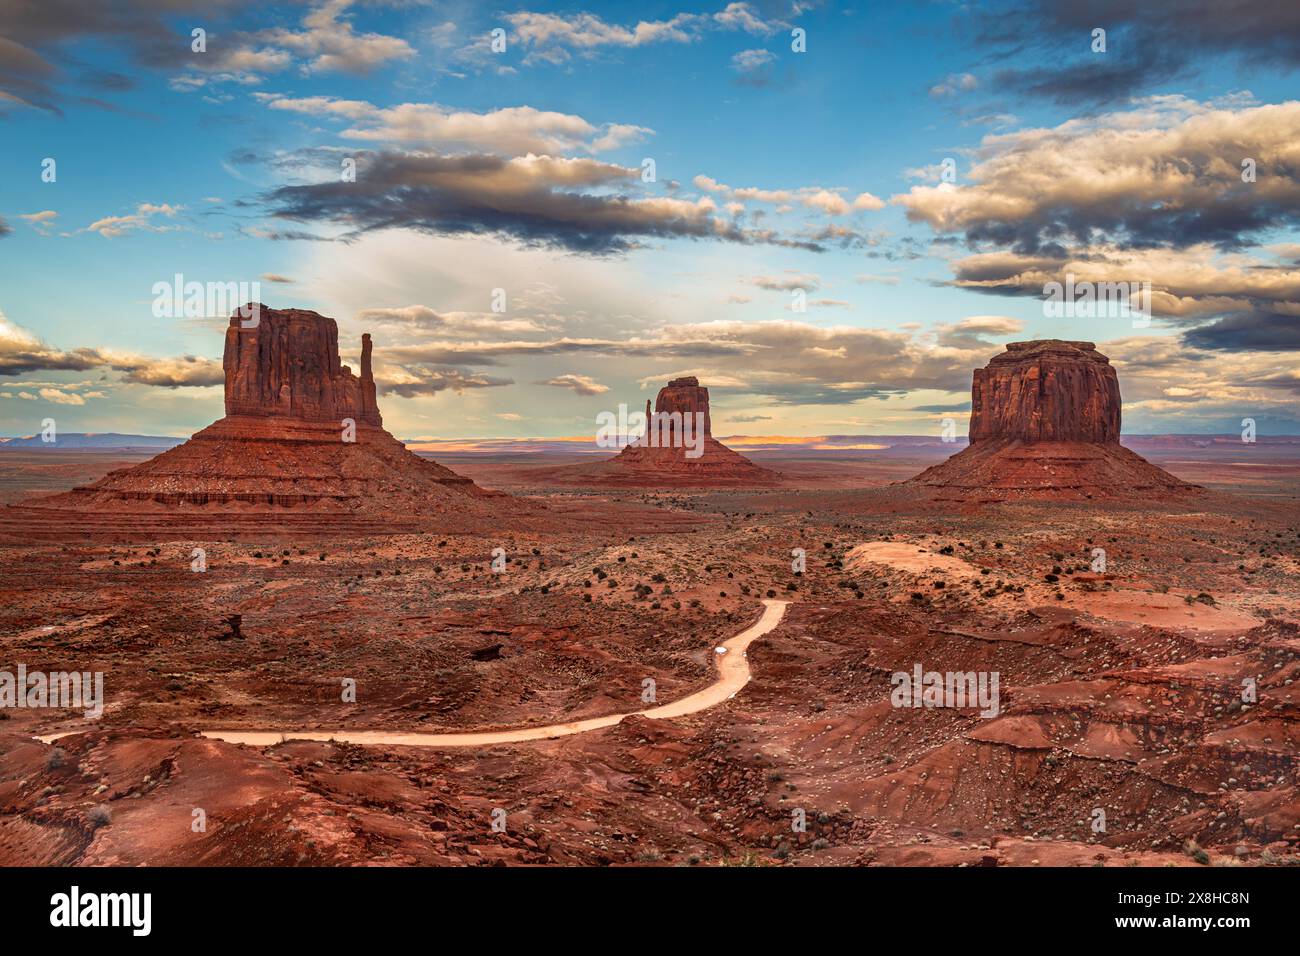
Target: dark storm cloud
(1248,332)
(579,205)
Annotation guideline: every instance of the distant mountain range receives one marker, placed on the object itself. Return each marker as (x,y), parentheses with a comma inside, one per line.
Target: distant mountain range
(748,444)
(71,440)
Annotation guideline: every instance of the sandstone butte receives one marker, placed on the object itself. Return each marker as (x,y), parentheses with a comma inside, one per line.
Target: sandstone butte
(668,464)
(280,451)
(1045,423)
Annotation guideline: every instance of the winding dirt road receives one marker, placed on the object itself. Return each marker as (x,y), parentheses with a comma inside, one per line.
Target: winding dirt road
(733,674)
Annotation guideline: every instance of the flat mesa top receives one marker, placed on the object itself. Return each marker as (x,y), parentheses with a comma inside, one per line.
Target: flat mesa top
(282,315)
(1023,351)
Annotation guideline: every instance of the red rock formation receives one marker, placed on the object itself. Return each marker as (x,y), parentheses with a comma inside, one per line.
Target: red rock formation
(1046,391)
(663,456)
(287,364)
(302,434)
(1045,422)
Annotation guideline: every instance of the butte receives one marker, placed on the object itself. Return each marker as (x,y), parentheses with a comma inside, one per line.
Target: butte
(1045,424)
(302,448)
(668,464)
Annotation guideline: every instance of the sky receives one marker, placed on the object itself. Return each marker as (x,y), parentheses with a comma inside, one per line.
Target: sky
(828,213)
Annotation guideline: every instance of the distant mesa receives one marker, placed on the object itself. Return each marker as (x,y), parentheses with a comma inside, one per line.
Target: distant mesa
(302,436)
(674,450)
(91,441)
(1045,423)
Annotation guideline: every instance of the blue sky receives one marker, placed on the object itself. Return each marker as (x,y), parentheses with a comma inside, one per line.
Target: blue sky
(776,170)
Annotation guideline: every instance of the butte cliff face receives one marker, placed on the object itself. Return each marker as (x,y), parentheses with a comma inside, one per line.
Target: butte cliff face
(678,426)
(288,365)
(302,441)
(1046,391)
(1045,423)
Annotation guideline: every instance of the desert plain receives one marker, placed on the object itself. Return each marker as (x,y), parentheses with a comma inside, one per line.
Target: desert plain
(1121,691)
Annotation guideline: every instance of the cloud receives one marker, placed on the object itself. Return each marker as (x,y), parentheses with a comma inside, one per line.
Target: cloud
(788,362)
(414,380)
(22,352)
(1165,380)
(154,34)
(330,44)
(754,67)
(829,201)
(1147,44)
(32,36)
(1249,331)
(535,200)
(274,277)
(1168,173)
(422,320)
(5,228)
(40,221)
(581,384)
(512,131)
(554,38)
(969,333)
(953,84)
(1250,302)
(788,282)
(112,227)
(749,60)
(185,371)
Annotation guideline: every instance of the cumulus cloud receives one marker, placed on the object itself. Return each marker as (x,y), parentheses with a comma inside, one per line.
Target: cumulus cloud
(829,201)
(328,43)
(1163,377)
(1168,173)
(513,131)
(555,38)
(1222,300)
